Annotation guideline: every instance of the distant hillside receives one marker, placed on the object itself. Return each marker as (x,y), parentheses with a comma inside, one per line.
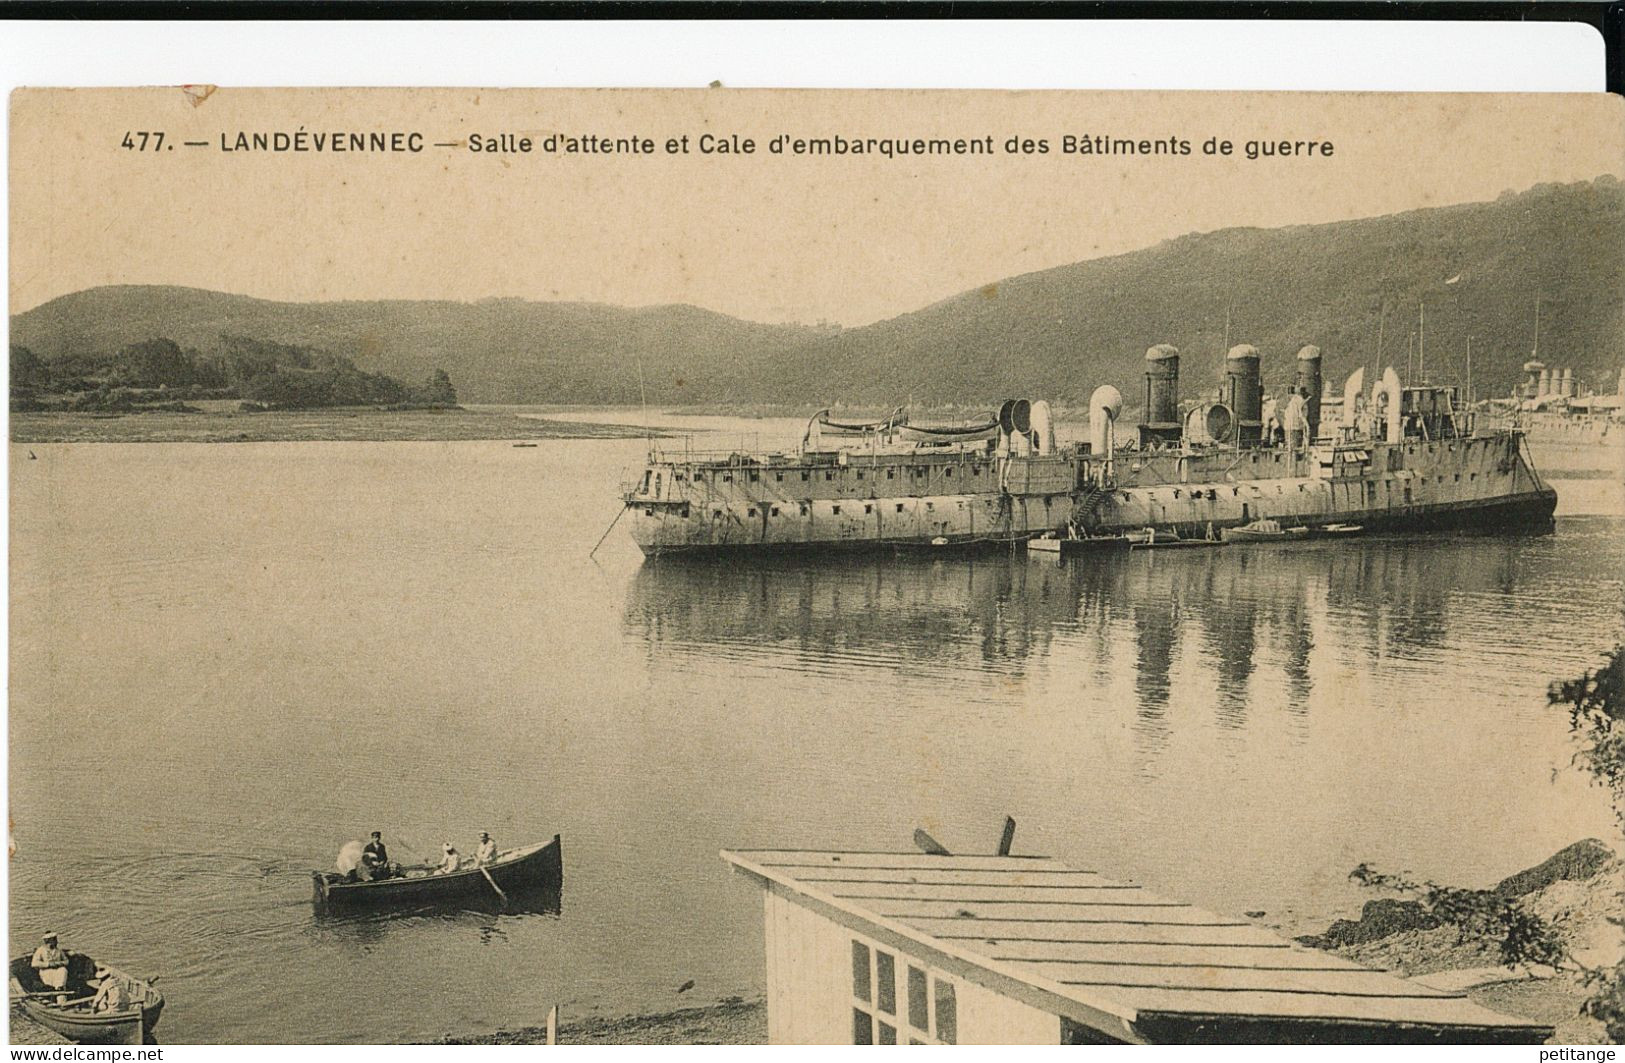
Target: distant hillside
(1061,332)
(1057,333)
(498,350)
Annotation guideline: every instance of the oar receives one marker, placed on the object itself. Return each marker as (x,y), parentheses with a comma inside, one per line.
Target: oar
(494,885)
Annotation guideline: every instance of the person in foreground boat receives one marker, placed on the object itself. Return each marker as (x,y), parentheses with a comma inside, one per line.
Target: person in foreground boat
(375,858)
(111,994)
(452,862)
(50,962)
(487,850)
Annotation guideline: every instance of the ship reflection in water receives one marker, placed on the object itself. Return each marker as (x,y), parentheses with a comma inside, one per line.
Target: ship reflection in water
(1238,631)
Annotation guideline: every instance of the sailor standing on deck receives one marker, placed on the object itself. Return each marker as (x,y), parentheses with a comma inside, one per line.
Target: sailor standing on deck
(50,962)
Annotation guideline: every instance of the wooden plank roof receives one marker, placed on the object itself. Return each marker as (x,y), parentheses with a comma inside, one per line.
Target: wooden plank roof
(1106,953)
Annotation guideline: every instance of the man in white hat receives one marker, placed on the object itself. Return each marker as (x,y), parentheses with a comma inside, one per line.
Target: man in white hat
(452,861)
(111,995)
(487,851)
(50,962)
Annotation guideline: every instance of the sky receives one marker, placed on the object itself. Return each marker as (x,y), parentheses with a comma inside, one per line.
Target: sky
(764,236)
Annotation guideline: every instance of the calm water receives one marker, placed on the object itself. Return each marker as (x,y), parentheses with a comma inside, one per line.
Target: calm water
(227,660)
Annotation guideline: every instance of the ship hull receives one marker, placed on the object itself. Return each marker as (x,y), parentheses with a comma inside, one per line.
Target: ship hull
(1531,513)
(1482,483)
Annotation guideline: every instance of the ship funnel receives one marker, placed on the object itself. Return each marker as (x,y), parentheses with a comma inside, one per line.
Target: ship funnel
(1104,406)
(1243,394)
(1351,396)
(1566,388)
(1545,384)
(1161,395)
(1309,386)
(1385,396)
(1043,427)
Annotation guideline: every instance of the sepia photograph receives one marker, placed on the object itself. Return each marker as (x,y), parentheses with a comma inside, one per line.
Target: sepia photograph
(730,566)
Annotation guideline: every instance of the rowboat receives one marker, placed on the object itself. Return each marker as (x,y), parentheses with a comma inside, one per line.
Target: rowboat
(1264,531)
(69,1013)
(533,867)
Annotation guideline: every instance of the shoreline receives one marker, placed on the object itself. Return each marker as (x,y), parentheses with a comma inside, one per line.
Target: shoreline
(336,424)
(734,1021)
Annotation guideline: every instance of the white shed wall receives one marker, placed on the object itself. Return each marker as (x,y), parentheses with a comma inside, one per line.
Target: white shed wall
(988,1018)
(809,986)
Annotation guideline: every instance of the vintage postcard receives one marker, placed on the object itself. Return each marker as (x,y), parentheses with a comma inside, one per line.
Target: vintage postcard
(693,567)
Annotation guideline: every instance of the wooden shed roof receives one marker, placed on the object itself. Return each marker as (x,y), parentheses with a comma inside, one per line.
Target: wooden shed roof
(1113,956)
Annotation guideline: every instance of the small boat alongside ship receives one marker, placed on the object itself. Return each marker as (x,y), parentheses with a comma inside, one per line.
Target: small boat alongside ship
(531,868)
(1395,458)
(1265,531)
(69,1012)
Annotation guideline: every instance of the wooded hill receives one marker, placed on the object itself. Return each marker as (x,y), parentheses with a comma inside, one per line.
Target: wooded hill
(1057,333)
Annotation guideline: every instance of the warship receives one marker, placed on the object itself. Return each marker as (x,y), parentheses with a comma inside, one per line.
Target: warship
(1568,432)
(1396,458)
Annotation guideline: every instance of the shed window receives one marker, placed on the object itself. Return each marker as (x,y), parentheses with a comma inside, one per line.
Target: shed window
(779,476)
(728,477)
(891,474)
(804,509)
(804,475)
(918,1016)
(947,1018)
(829,475)
(868,507)
(949,471)
(754,476)
(886,983)
(860,972)
(932,1016)
(899,507)
(699,477)
(775,511)
(860,474)
(751,512)
(835,509)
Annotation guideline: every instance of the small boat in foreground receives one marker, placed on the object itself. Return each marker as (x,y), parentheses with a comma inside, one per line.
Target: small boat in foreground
(530,868)
(68,1012)
(1264,531)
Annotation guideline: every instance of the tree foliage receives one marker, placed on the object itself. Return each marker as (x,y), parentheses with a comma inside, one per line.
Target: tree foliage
(1596,710)
(269,375)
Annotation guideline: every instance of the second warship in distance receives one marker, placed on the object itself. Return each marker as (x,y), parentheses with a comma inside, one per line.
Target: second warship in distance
(1396,458)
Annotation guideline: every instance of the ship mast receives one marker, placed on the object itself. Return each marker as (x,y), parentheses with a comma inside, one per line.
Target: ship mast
(1421,341)
(1382,318)
(1469,369)
(1535,354)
